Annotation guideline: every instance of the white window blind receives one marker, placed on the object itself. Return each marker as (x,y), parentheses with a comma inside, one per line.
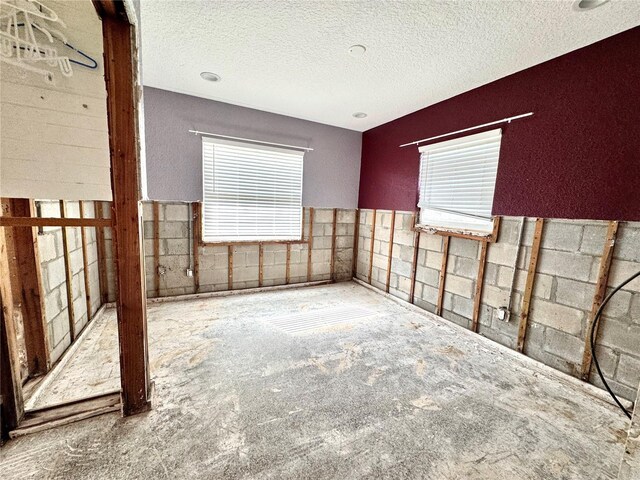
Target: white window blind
(251,192)
(457,181)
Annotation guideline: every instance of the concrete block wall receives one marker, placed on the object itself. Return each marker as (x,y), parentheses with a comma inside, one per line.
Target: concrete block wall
(175,240)
(565,284)
(52,265)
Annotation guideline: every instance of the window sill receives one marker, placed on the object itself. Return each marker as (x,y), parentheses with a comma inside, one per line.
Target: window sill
(205,243)
(469,234)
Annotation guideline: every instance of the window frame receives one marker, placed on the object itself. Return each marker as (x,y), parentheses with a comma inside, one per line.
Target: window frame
(469,233)
(199,221)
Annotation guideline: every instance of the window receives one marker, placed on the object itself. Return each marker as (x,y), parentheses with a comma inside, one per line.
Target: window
(457,180)
(251,192)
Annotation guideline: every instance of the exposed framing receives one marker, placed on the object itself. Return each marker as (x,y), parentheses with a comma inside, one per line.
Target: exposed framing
(371,245)
(333,244)
(468,234)
(260,264)
(196,213)
(68,277)
(598,297)
(230,249)
(102,256)
(390,254)
(356,241)
(414,265)
(155,207)
(528,289)
(477,297)
(443,275)
(310,249)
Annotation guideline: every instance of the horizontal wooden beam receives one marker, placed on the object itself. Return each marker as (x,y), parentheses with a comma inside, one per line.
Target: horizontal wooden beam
(54,222)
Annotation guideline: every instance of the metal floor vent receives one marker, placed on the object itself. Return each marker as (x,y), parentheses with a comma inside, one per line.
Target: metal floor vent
(317,319)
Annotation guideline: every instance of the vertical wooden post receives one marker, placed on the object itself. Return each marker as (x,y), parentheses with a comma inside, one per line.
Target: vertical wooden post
(390,255)
(356,239)
(528,289)
(155,206)
(85,265)
(197,235)
(230,267)
(120,77)
(443,275)
(414,261)
(310,244)
(333,244)
(28,285)
(479,283)
(598,297)
(68,277)
(102,257)
(12,409)
(288,265)
(371,245)
(260,264)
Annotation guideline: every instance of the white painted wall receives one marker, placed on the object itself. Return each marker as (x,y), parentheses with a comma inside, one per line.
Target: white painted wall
(54,137)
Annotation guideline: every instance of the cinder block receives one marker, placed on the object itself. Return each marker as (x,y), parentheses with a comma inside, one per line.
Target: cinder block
(628,244)
(502,254)
(560,317)
(465,267)
(620,271)
(433,260)
(173,230)
(47,247)
(175,246)
(463,306)
(52,305)
(322,215)
(494,296)
(620,335)
(564,346)
(427,275)
(593,237)
(562,235)
(55,273)
(431,242)
(346,216)
(574,294)
(459,285)
(76,261)
(564,264)
(509,230)
(175,212)
(463,247)
(403,237)
(608,360)
(628,372)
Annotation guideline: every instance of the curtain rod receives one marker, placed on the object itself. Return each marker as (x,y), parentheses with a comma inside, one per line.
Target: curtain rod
(198,132)
(507,120)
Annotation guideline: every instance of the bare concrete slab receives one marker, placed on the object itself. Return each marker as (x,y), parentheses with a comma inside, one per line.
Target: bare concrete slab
(274,385)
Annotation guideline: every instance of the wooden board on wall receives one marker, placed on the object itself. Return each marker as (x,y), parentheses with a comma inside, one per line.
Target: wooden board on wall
(55,141)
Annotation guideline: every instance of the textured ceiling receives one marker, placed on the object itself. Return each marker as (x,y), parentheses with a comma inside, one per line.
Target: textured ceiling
(291,57)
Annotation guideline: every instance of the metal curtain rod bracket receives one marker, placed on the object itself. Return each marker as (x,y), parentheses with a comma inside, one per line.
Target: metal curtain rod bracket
(504,120)
(294,147)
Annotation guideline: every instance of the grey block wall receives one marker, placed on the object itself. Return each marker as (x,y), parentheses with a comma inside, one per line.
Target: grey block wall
(565,284)
(176,239)
(52,265)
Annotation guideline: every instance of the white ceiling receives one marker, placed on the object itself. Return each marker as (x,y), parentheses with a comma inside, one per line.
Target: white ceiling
(291,57)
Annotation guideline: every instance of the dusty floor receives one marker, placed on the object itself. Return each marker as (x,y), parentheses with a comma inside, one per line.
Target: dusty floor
(243,392)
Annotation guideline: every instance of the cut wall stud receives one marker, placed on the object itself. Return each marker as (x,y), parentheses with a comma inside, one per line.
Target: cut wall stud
(333,245)
(528,289)
(477,298)
(288,265)
(102,256)
(390,254)
(598,297)
(85,264)
(309,273)
(230,267)
(260,264)
(68,277)
(371,245)
(156,248)
(196,211)
(414,262)
(356,235)
(443,274)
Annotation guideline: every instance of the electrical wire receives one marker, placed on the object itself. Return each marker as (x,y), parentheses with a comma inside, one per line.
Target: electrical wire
(596,320)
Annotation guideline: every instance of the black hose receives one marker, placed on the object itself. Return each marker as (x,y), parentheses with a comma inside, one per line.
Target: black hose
(596,320)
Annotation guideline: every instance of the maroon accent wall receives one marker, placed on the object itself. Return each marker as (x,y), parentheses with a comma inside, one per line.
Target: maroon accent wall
(577,157)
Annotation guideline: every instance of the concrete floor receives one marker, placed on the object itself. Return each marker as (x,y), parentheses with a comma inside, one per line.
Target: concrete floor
(242,392)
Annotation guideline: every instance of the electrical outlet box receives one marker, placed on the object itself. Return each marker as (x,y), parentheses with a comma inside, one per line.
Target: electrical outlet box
(503,314)
(189,272)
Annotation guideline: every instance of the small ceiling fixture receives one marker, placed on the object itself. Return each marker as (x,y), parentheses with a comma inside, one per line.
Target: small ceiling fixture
(357,50)
(582,5)
(360,115)
(210,77)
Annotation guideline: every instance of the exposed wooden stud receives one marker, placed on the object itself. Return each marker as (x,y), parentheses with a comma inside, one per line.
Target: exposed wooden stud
(27,285)
(356,240)
(12,407)
(68,277)
(309,272)
(155,207)
(414,263)
(598,297)
(288,265)
(333,244)
(371,245)
(197,235)
(528,289)
(443,274)
(122,117)
(230,267)
(260,264)
(102,257)
(85,265)
(390,254)
(479,284)
(302,227)
(53,222)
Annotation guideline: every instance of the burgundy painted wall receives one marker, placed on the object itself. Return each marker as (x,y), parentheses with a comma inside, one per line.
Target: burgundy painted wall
(577,157)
